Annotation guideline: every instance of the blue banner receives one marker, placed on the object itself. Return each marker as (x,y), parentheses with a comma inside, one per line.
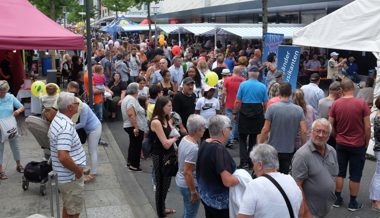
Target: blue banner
(288,60)
(271,43)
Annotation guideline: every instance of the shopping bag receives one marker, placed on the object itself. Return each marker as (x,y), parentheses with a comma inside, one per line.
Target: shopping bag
(8,128)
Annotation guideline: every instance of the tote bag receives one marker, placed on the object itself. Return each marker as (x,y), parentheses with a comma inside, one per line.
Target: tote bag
(8,128)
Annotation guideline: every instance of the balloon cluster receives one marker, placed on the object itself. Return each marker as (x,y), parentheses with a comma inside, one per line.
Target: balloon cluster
(38,88)
(161,40)
(211,78)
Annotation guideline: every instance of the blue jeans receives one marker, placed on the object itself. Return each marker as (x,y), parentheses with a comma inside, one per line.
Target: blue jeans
(190,209)
(234,132)
(15,147)
(98,110)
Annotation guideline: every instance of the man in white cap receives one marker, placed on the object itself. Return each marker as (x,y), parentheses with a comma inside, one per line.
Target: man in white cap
(333,66)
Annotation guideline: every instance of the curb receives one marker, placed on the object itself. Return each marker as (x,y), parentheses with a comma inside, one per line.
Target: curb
(135,196)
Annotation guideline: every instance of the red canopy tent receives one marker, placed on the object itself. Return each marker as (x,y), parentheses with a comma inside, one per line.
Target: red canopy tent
(24,27)
(146,21)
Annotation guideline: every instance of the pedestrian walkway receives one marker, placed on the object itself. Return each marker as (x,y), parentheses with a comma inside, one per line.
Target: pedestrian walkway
(106,197)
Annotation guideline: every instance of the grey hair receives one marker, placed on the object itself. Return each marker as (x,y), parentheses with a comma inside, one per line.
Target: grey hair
(322,121)
(217,123)
(253,74)
(266,154)
(236,70)
(4,85)
(133,88)
(195,122)
(65,99)
(175,59)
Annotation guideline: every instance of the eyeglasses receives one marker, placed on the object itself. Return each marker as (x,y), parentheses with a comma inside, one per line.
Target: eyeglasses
(229,127)
(77,103)
(321,131)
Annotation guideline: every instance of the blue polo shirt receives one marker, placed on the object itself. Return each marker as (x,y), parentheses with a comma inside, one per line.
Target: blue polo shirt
(252,91)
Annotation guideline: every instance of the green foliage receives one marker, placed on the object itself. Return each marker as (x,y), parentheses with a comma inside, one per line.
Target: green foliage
(118,5)
(54,8)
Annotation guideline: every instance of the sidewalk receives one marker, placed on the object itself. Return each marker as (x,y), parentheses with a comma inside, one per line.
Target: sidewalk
(114,194)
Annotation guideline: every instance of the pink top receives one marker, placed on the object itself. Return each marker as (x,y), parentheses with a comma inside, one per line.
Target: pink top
(98,79)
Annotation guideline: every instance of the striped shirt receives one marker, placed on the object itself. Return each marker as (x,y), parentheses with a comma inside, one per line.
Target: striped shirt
(63,136)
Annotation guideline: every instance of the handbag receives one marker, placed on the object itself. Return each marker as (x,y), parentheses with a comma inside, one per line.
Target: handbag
(8,128)
(288,204)
(170,167)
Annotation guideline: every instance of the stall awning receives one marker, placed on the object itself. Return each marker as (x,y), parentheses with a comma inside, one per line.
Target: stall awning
(255,32)
(133,28)
(243,32)
(200,30)
(168,29)
(24,27)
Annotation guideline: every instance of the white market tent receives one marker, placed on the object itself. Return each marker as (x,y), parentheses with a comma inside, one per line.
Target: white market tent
(245,31)
(355,26)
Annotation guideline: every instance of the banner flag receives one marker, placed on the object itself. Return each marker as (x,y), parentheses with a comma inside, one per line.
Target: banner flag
(288,59)
(271,43)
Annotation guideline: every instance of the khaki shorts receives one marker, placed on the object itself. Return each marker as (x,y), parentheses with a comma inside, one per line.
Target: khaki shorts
(72,196)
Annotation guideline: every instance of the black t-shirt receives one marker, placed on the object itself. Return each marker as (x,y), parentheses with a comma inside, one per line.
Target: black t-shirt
(157,147)
(184,106)
(218,70)
(118,88)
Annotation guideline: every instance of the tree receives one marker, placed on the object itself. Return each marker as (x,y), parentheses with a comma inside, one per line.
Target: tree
(140,3)
(118,5)
(53,8)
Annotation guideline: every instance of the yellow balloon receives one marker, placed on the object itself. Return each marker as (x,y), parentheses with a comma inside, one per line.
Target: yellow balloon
(58,89)
(38,88)
(211,78)
(161,41)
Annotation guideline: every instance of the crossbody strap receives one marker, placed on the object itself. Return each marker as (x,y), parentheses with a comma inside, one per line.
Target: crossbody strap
(282,193)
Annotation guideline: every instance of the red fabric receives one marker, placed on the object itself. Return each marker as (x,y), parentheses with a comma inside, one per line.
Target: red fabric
(348,114)
(24,27)
(232,84)
(273,100)
(146,21)
(17,69)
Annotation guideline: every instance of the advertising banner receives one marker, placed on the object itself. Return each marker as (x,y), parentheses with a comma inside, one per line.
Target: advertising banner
(271,43)
(288,59)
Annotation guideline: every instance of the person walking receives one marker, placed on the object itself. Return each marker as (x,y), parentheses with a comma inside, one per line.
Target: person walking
(349,117)
(312,92)
(283,120)
(374,189)
(252,95)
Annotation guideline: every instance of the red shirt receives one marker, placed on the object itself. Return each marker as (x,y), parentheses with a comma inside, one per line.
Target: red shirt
(232,84)
(348,114)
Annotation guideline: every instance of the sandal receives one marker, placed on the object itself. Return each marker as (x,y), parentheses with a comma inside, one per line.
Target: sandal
(170,211)
(89,178)
(3,176)
(20,169)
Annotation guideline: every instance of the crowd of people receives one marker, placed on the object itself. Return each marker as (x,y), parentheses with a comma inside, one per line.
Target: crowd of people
(291,138)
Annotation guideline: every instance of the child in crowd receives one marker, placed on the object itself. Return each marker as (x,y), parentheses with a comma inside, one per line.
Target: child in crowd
(207,106)
(49,102)
(225,73)
(99,78)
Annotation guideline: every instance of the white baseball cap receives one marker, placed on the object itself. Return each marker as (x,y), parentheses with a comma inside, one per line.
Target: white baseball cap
(334,54)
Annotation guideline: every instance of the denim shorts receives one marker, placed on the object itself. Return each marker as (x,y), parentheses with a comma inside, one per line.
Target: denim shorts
(354,157)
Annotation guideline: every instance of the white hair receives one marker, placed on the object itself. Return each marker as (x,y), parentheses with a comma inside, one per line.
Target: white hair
(322,121)
(4,85)
(266,154)
(217,123)
(195,122)
(133,88)
(65,99)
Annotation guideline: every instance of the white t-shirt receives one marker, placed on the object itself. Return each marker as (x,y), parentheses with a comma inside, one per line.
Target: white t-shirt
(207,107)
(262,199)
(144,92)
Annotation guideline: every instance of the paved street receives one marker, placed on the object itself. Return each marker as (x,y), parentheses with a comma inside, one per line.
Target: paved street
(174,199)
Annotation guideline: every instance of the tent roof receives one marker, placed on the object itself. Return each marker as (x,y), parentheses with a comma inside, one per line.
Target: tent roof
(352,27)
(24,27)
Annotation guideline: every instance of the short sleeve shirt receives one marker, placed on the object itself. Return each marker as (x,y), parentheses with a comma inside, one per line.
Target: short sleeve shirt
(232,84)
(213,159)
(7,105)
(98,98)
(131,102)
(252,91)
(64,137)
(348,114)
(187,153)
(310,167)
(207,107)
(285,120)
